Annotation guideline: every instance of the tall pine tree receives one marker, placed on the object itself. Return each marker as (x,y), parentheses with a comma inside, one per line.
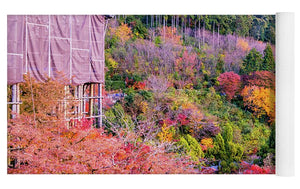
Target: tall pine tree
(269,61)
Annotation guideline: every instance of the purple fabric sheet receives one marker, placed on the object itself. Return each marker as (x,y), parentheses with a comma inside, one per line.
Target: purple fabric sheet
(15,40)
(44,45)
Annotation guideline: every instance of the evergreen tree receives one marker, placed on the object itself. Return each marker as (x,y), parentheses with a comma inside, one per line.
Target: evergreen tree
(252,62)
(226,150)
(268,62)
(220,64)
(270,30)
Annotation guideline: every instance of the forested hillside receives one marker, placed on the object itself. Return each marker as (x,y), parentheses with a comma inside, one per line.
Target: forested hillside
(202,85)
(183,94)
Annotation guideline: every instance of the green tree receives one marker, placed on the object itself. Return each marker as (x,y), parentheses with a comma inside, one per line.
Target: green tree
(268,63)
(243,25)
(252,62)
(220,64)
(190,146)
(226,150)
(270,30)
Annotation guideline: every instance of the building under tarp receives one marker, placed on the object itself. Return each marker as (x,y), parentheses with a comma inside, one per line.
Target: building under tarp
(45,45)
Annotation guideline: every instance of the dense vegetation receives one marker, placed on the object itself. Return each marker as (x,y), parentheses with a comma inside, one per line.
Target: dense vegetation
(199,98)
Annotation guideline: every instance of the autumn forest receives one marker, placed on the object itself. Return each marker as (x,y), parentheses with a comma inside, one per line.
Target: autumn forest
(183,94)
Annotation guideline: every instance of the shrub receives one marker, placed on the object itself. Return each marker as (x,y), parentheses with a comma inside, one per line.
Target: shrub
(225,150)
(190,146)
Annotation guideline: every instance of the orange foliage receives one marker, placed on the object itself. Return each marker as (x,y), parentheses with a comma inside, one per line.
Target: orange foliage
(166,134)
(242,44)
(260,100)
(207,143)
(46,101)
(170,35)
(139,85)
(123,32)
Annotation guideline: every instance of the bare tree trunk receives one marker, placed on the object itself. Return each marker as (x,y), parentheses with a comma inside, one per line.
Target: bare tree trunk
(213,35)
(147,21)
(164,26)
(172,21)
(182,20)
(159,20)
(203,33)
(177,22)
(185,23)
(199,34)
(152,21)
(218,35)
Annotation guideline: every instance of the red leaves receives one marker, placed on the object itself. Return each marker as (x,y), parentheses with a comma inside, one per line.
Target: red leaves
(183,119)
(264,79)
(84,123)
(129,82)
(255,169)
(170,122)
(85,150)
(208,170)
(229,83)
(139,85)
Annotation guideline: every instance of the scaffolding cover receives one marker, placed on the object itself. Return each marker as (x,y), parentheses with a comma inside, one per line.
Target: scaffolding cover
(45,45)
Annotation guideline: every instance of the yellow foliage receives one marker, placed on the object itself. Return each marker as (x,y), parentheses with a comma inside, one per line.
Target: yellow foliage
(144,106)
(166,134)
(112,63)
(261,100)
(188,105)
(188,86)
(123,32)
(208,142)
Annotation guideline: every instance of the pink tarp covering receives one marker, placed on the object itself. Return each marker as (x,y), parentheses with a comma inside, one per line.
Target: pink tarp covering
(45,45)
(15,31)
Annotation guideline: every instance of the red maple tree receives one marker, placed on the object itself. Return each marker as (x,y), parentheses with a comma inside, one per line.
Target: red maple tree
(229,83)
